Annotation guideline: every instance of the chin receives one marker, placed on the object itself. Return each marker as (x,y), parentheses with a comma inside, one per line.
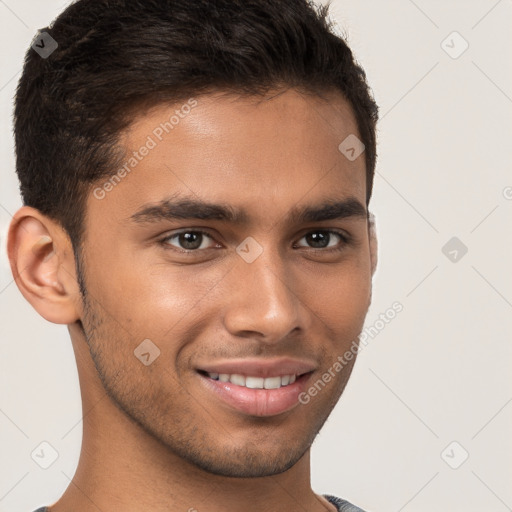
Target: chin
(249,461)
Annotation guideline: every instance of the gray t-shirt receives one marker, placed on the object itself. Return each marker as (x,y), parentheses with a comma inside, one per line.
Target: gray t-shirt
(342,505)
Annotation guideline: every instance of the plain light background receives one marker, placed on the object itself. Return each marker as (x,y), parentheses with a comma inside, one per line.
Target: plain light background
(439,372)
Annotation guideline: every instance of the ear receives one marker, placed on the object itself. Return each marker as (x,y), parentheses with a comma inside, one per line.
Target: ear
(372,236)
(42,263)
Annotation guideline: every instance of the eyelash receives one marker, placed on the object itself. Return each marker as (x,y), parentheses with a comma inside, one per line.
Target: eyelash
(345,240)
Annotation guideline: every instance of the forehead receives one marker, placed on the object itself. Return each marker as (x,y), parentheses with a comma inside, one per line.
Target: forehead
(259,153)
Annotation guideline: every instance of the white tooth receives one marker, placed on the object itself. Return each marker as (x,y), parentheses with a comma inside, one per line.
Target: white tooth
(239,380)
(292,379)
(254,382)
(224,377)
(213,375)
(285,380)
(272,383)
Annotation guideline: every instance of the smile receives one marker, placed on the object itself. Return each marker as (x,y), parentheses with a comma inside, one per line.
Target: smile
(252,395)
(252,382)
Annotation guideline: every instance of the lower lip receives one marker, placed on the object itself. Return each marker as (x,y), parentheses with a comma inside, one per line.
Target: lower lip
(258,402)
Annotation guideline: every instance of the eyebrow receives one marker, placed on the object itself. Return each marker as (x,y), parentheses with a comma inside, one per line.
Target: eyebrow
(189,209)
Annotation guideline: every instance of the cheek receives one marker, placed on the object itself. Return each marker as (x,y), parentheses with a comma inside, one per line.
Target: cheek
(341,299)
(155,300)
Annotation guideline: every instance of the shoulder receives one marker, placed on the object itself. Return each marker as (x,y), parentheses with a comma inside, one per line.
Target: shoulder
(342,505)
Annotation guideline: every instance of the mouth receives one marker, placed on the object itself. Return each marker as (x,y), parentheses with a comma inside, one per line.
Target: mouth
(253,382)
(256,391)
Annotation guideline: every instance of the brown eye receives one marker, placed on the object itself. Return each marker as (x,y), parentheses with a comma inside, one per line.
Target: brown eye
(188,240)
(324,239)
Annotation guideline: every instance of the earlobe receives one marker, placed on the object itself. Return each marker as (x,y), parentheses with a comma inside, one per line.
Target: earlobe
(42,264)
(372,235)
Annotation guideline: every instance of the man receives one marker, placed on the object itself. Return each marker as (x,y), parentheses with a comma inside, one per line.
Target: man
(196,177)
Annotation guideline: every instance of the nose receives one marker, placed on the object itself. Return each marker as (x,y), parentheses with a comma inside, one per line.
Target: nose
(263,300)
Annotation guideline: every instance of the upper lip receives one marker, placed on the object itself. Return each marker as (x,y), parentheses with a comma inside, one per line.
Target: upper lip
(260,367)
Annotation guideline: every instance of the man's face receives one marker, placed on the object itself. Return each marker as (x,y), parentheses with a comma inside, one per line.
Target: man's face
(265,295)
